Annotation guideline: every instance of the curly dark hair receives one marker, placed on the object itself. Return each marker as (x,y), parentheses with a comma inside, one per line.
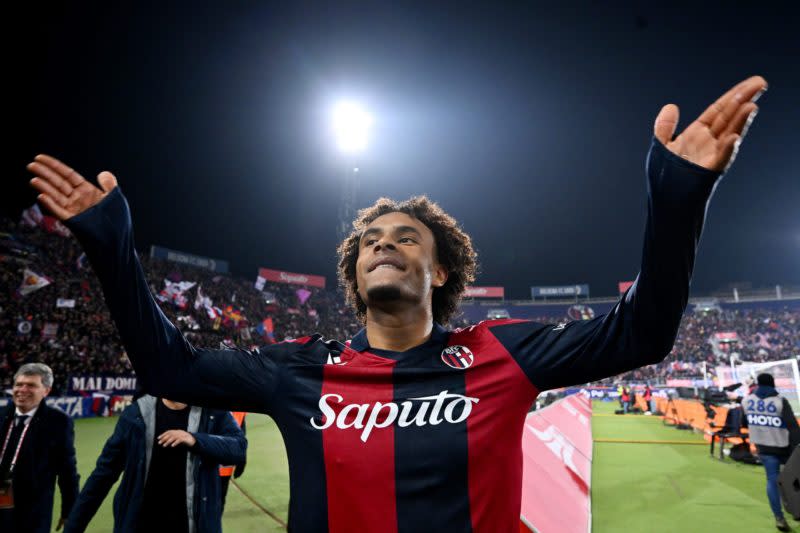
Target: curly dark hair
(454,252)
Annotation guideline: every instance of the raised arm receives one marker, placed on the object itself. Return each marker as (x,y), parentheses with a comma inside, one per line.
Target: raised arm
(166,364)
(640,330)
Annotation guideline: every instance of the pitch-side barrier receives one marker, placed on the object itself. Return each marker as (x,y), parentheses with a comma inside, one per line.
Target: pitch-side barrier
(557,467)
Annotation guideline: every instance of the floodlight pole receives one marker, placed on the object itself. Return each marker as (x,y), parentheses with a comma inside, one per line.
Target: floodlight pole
(352,125)
(347,203)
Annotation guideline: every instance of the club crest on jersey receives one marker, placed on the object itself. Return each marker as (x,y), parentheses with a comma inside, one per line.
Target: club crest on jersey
(335,359)
(459,357)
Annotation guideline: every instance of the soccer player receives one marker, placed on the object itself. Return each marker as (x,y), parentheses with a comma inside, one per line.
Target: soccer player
(411,427)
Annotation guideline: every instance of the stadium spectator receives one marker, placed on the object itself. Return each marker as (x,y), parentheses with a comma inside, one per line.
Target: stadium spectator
(86,342)
(170,455)
(37,447)
(775,432)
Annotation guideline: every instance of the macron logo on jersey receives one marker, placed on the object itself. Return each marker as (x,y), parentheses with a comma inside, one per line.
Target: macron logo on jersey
(433,410)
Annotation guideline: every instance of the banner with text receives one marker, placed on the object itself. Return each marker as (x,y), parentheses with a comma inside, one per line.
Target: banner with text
(279,276)
(215,265)
(94,404)
(485,292)
(563,291)
(102,382)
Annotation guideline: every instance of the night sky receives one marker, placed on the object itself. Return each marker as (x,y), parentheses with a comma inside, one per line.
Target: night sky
(528,123)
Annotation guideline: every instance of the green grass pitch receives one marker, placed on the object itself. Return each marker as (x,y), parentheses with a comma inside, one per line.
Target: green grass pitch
(635,487)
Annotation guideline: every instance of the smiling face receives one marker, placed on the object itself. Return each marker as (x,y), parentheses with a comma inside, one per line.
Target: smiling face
(29,391)
(397,262)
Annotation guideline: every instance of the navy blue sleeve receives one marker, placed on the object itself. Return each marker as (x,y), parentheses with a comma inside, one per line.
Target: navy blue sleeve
(641,328)
(166,364)
(226,445)
(109,466)
(68,470)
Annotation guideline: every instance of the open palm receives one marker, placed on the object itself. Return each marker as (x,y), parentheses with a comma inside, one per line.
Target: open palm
(712,140)
(63,191)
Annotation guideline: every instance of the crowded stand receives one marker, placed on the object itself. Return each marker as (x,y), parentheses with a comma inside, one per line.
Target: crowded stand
(53,309)
(53,312)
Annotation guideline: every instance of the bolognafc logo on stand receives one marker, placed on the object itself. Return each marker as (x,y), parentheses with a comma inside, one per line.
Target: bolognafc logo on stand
(459,357)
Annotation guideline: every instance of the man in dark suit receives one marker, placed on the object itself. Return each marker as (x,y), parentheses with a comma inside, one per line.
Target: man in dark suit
(37,446)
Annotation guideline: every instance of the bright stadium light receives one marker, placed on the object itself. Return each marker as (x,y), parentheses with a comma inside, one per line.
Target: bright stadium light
(351,125)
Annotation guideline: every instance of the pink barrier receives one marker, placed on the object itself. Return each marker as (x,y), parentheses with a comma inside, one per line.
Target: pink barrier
(557,467)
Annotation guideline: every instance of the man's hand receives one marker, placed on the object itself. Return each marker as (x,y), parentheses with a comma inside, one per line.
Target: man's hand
(64,192)
(713,139)
(174,437)
(60,524)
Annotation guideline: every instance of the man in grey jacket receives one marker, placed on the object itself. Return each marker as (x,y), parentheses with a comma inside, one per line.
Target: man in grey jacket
(775,432)
(170,454)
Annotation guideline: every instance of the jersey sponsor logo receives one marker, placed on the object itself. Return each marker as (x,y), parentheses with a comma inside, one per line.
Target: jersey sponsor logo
(459,357)
(444,407)
(764,420)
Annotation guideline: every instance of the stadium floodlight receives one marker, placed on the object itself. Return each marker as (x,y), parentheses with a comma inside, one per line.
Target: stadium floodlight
(351,124)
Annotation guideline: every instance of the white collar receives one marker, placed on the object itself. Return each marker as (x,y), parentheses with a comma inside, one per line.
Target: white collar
(29,414)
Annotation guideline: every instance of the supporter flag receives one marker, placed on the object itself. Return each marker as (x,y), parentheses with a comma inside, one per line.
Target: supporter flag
(202,301)
(303,295)
(33,217)
(50,330)
(31,281)
(762,341)
(231,315)
(24,327)
(100,403)
(173,292)
(64,302)
(82,263)
(269,298)
(53,225)
(188,322)
(267,330)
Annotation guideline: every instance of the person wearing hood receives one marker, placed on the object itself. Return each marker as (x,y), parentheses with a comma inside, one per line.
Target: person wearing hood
(775,432)
(169,455)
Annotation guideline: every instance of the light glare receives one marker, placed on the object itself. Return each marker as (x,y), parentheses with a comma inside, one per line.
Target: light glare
(351,124)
